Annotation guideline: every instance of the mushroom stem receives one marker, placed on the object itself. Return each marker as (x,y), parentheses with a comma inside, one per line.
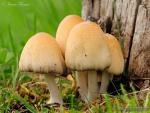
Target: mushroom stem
(82,84)
(73,81)
(104,82)
(55,96)
(92,85)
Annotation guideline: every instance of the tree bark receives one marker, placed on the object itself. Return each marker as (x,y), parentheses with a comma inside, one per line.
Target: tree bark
(129,21)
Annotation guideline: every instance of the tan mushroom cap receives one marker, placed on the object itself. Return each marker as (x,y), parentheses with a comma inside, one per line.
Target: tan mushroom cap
(117,64)
(86,48)
(64,29)
(42,54)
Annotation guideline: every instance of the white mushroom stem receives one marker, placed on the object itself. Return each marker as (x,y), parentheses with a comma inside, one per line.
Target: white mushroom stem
(104,82)
(55,96)
(82,83)
(92,85)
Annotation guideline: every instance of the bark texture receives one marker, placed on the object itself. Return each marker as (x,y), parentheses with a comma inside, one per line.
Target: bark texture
(129,21)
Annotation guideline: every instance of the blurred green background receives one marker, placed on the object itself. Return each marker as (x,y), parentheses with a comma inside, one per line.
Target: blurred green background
(19,19)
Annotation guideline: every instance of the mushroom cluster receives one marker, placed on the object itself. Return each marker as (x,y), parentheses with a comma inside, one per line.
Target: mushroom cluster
(87,51)
(81,47)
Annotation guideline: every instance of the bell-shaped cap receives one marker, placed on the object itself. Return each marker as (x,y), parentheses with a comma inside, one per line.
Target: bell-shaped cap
(42,54)
(64,29)
(117,64)
(86,48)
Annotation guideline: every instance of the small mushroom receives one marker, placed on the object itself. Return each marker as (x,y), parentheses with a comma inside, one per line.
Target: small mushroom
(70,77)
(117,64)
(64,29)
(86,50)
(42,54)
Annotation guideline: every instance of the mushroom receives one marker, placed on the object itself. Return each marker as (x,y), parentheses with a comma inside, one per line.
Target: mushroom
(86,50)
(62,35)
(64,29)
(42,54)
(117,64)
(70,78)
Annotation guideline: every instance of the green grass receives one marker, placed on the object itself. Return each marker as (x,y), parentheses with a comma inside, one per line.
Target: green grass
(20,92)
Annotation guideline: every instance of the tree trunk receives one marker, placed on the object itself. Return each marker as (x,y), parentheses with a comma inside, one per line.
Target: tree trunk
(129,21)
